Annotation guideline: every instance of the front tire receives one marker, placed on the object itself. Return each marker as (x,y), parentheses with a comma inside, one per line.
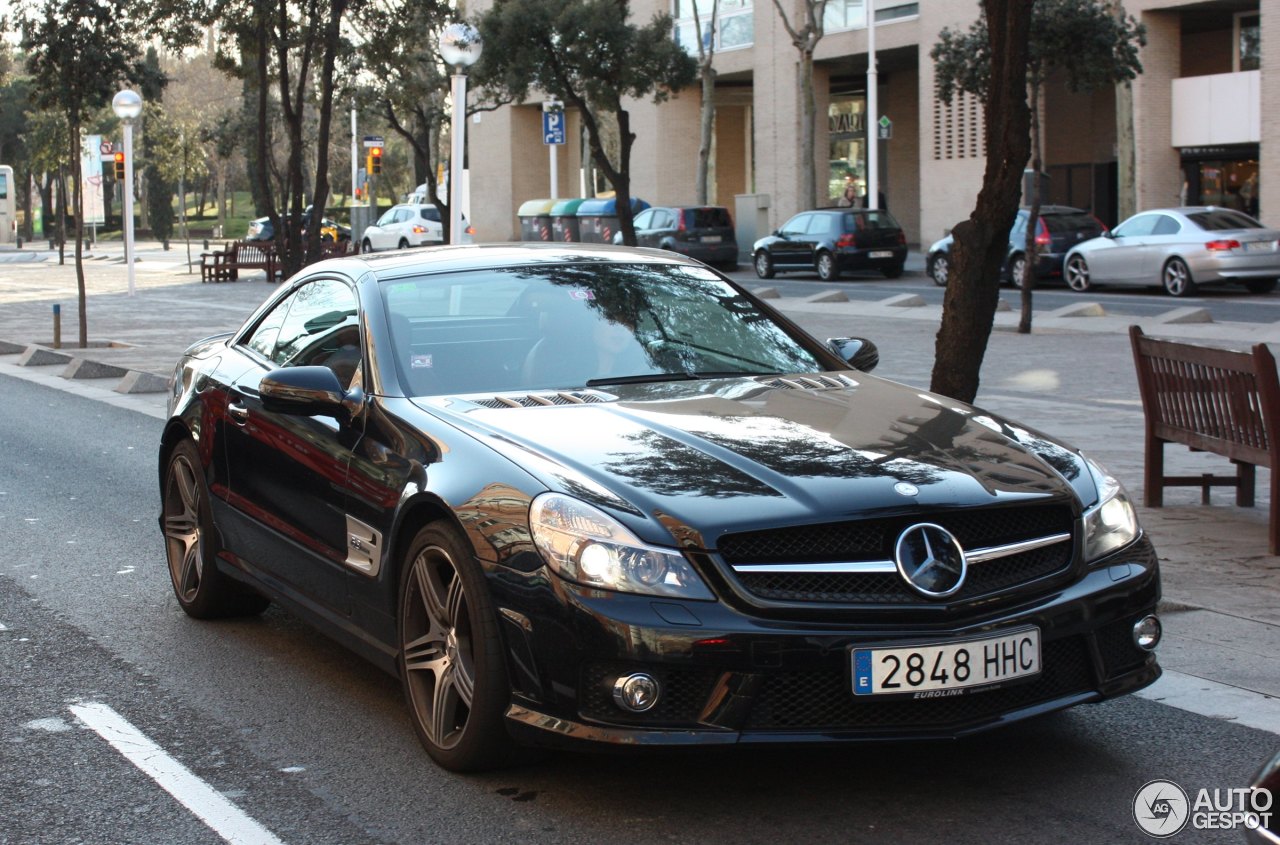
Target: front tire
(1176,278)
(764,265)
(826,266)
(365,246)
(450,654)
(939,268)
(1017,270)
(190,541)
(1076,273)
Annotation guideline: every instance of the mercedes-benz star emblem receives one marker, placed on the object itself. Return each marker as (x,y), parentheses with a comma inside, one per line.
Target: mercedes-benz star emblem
(906,488)
(930,559)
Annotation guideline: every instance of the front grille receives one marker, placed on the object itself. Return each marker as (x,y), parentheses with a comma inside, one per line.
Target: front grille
(874,540)
(812,701)
(1115,645)
(683,694)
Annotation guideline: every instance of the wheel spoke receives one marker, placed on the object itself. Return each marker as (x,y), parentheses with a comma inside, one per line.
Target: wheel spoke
(192,570)
(447,705)
(426,653)
(429,588)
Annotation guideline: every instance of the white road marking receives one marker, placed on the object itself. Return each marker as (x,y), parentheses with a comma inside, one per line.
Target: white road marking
(1215,700)
(206,803)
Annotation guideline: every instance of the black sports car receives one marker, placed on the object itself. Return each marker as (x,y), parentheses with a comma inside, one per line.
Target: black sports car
(590,494)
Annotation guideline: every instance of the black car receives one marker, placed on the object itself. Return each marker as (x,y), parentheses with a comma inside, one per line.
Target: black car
(1059,229)
(576,494)
(704,232)
(831,241)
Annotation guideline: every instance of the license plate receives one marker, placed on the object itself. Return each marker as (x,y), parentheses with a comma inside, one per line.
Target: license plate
(932,671)
(711,239)
(1260,246)
(881,253)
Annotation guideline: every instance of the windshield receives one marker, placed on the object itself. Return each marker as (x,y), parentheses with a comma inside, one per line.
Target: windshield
(571,326)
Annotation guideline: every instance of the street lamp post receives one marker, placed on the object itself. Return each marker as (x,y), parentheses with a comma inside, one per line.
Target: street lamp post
(460,47)
(128,105)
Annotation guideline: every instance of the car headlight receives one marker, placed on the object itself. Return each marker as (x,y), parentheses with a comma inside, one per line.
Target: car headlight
(587,546)
(1112,523)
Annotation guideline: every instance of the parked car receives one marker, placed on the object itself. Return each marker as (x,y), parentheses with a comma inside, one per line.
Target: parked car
(1059,228)
(704,232)
(408,225)
(1179,249)
(831,241)
(261,229)
(595,496)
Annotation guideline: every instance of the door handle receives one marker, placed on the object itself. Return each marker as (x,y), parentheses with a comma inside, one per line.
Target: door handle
(238,414)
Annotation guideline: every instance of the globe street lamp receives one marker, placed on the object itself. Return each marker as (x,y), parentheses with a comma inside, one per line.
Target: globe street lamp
(460,47)
(128,105)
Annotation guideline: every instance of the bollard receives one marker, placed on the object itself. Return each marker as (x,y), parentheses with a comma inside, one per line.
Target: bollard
(206,244)
(57,326)
(51,244)
(19,241)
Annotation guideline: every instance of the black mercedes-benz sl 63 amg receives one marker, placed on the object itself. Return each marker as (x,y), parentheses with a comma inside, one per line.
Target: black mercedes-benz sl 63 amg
(592,496)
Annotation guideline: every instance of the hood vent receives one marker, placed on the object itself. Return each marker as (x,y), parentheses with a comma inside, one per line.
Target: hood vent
(540,400)
(810,382)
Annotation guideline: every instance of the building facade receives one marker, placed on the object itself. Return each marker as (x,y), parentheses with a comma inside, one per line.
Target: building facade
(1205,118)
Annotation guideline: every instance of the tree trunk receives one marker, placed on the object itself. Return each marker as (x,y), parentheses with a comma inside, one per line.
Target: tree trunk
(708,126)
(807,195)
(1028,280)
(1126,154)
(981,242)
(78,205)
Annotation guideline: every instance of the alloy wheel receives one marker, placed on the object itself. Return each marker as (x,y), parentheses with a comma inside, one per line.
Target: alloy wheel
(438,648)
(827,267)
(1177,278)
(1017,270)
(938,270)
(1077,273)
(764,265)
(183,534)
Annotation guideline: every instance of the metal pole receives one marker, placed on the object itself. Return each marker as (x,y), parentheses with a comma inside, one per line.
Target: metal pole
(128,201)
(458,145)
(873,142)
(555,180)
(355,152)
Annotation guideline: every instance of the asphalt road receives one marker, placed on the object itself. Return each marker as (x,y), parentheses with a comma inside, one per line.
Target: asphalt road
(314,745)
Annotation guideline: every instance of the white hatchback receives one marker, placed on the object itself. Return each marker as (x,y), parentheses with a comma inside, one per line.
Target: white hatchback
(408,225)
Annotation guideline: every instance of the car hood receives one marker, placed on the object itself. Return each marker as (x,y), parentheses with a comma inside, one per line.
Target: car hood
(689,461)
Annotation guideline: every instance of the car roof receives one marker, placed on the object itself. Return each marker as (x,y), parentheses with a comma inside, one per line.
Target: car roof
(1057,209)
(443,259)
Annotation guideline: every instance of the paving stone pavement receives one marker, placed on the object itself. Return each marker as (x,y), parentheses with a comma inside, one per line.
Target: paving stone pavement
(1072,377)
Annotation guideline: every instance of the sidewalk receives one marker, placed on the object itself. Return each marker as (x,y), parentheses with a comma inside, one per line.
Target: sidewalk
(1073,377)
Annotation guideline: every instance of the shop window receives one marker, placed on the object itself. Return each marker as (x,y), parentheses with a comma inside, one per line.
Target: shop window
(734,24)
(1248,41)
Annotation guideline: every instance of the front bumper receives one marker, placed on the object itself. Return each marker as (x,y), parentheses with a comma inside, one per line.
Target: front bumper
(729,677)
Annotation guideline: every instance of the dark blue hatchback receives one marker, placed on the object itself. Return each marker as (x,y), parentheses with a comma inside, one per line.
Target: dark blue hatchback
(831,241)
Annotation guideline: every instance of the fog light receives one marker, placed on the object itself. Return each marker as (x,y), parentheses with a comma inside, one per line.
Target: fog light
(1146,633)
(635,693)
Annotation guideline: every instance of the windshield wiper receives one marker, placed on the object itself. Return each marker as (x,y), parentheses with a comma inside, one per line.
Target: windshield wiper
(657,377)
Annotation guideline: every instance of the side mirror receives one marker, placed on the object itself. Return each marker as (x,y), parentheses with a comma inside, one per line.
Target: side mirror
(858,352)
(1109,234)
(309,392)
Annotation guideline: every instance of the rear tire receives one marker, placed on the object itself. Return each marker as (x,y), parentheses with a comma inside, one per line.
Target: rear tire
(826,266)
(764,265)
(1176,278)
(404,244)
(1016,270)
(1076,272)
(191,544)
(939,268)
(365,246)
(450,654)
(892,272)
(1260,285)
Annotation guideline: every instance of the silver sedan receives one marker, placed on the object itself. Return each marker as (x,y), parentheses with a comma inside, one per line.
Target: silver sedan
(1179,249)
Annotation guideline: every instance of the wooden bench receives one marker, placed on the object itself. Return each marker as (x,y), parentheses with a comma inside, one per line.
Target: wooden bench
(250,255)
(1211,400)
(213,266)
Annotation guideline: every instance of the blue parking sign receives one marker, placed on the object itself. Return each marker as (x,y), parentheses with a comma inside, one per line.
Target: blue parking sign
(553,127)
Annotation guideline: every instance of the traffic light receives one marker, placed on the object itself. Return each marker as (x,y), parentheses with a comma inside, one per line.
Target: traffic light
(375,159)
(119,160)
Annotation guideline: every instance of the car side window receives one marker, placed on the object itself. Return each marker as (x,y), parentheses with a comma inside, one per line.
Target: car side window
(318,328)
(1136,227)
(820,224)
(1166,225)
(403,215)
(796,225)
(644,219)
(1019,226)
(663,220)
(385,219)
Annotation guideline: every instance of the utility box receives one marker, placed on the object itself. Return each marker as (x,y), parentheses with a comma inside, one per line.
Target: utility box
(361,219)
(751,219)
